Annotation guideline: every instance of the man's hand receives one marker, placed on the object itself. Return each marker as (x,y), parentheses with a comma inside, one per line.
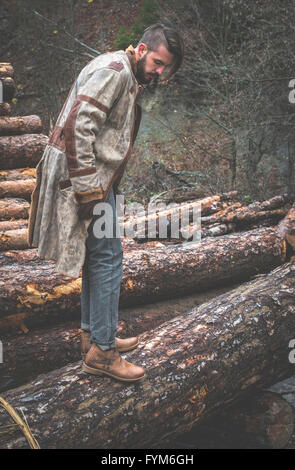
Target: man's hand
(85,210)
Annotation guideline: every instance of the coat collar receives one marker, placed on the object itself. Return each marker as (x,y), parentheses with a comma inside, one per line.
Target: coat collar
(130,51)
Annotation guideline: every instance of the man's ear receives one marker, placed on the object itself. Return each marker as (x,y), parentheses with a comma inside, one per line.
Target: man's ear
(142,49)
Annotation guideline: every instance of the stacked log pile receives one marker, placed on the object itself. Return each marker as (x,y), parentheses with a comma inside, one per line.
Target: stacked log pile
(197,359)
(21,146)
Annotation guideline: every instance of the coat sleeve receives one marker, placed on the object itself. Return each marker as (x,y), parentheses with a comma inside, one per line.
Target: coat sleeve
(87,115)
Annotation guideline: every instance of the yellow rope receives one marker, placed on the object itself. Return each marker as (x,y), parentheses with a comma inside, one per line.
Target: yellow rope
(23,426)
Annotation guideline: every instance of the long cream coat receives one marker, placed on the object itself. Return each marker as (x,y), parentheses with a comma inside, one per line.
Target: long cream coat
(86,155)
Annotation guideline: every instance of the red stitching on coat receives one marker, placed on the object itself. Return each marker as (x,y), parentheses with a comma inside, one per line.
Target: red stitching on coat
(95,103)
(69,131)
(57,138)
(83,172)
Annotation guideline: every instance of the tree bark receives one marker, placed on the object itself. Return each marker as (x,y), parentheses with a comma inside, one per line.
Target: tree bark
(14,239)
(263,420)
(20,125)
(253,212)
(195,363)
(21,150)
(14,208)
(286,227)
(207,205)
(29,353)
(162,223)
(35,288)
(18,174)
(17,188)
(6,70)
(5,109)
(14,233)
(7,225)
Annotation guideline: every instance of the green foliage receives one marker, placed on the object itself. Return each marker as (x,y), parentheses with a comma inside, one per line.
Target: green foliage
(148,15)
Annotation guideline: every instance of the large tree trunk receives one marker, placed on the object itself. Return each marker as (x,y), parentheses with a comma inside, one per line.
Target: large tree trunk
(21,150)
(17,188)
(14,208)
(29,353)
(195,364)
(20,125)
(37,290)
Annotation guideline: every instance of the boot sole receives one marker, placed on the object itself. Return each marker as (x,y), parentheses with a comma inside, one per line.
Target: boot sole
(91,370)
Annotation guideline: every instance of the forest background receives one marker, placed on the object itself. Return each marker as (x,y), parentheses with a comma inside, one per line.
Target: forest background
(225,121)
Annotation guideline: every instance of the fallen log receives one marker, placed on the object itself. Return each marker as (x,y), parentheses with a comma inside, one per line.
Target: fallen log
(6,225)
(18,257)
(253,212)
(259,219)
(153,211)
(14,208)
(14,233)
(24,256)
(162,223)
(195,363)
(18,174)
(17,188)
(270,217)
(17,238)
(262,420)
(21,150)
(5,109)
(35,288)
(14,239)
(29,353)
(286,227)
(6,70)
(20,125)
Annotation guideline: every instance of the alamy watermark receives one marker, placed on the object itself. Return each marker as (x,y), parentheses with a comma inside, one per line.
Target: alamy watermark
(292,92)
(158,221)
(1,91)
(1,352)
(292,352)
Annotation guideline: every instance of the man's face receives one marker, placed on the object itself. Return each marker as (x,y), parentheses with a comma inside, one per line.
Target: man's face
(152,63)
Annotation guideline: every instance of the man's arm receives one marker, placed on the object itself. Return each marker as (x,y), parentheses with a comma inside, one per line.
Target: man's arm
(86,116)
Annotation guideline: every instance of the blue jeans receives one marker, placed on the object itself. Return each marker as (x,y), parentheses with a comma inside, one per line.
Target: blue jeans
(101,279)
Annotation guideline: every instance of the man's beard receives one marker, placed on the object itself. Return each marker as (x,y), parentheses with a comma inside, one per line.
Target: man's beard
(151,83)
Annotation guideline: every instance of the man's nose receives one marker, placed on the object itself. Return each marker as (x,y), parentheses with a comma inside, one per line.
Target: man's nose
(160,69)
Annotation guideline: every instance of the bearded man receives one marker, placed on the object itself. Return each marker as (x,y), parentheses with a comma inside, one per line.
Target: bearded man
(82,166)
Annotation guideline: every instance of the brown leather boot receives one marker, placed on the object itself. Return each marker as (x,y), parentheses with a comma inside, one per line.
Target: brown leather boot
(123,345)
(110,363)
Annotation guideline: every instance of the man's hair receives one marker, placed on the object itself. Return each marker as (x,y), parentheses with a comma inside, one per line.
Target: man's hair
(158,34)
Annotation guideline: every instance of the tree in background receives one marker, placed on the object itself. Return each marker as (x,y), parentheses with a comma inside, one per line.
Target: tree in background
(239,62)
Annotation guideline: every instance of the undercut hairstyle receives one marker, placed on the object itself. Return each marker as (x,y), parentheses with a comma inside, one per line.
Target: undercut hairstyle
(158,34)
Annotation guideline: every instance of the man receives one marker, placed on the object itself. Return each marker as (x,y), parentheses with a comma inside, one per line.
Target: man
(81,166)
